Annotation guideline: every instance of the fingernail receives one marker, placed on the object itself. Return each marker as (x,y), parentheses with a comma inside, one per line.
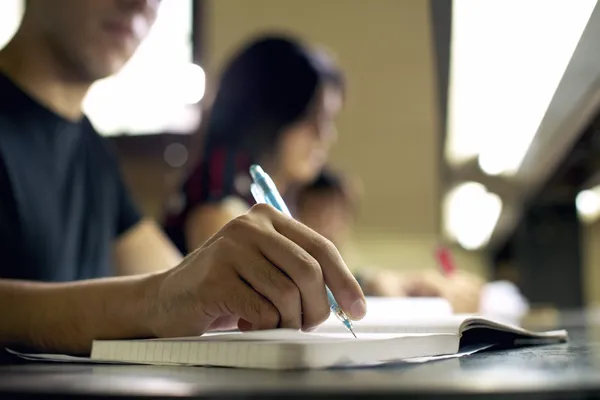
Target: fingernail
(358,309)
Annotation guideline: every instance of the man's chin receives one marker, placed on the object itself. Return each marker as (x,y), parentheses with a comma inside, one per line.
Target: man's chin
(108,67)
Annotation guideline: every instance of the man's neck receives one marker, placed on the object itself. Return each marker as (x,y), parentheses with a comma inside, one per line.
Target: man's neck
(32,67)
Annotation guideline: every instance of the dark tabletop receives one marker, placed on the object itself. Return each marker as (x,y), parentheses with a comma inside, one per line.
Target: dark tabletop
(570,370)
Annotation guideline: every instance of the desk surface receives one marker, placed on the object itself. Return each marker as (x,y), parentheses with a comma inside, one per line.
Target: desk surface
(552,371)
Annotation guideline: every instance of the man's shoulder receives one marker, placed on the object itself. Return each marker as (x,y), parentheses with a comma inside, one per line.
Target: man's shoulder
(99,145)
(9,122)
(10,139)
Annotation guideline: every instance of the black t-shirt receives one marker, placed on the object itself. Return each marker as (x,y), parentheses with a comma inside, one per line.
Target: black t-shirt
(62,200)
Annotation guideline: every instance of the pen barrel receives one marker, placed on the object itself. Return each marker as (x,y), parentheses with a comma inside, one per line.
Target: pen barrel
(333,305)
(275,200)
(270,194)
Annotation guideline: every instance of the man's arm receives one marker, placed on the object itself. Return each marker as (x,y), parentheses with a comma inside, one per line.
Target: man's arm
(144,248)
(66,317)
(213,287)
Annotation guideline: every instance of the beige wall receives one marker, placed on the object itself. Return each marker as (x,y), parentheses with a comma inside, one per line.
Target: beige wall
(388,128)
(591,254)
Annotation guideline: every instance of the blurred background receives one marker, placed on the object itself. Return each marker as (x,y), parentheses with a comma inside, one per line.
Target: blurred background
(469,122)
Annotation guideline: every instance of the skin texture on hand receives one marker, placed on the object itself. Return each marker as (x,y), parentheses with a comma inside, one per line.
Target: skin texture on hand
(263,270)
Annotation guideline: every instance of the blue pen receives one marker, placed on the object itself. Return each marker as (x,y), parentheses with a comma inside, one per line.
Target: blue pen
(264,191)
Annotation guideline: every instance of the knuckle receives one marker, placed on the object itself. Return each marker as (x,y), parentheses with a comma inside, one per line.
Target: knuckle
(289,293)
(324,246)
(261,210)
(240,225)
(225,242)
(310,270)
(222,250)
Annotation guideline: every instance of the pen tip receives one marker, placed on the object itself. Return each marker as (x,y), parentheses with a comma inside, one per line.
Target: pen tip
(349,326)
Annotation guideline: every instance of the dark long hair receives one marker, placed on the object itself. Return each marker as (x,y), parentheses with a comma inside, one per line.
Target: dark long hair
(265,88)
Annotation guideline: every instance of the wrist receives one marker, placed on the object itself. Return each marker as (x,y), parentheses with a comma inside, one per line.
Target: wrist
(147,304)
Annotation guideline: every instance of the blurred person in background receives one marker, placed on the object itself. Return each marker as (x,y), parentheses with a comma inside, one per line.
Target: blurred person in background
(275,105)
(330,204)
(67,223)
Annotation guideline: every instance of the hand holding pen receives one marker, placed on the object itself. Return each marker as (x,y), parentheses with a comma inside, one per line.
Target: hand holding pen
(262,270)
(264,191)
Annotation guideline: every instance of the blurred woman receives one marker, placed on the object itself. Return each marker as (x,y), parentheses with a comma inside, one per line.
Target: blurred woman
(276,104)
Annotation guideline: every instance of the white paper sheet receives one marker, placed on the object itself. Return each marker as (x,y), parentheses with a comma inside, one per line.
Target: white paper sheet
(61,358)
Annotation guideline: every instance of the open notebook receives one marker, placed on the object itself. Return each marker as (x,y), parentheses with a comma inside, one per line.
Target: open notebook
(382,338)
(328,346)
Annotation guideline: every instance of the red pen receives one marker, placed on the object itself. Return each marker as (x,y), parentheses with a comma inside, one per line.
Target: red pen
(444,259)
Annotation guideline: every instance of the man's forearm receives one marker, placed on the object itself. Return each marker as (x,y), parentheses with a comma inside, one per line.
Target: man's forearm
(66,317)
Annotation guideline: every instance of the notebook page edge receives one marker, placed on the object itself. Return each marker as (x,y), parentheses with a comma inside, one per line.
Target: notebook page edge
(489,323)
(259,354)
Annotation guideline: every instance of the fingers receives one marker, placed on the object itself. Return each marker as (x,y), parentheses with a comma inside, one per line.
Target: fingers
(284,273)
(274,285)
(250,306)
(336,275)
(304,273)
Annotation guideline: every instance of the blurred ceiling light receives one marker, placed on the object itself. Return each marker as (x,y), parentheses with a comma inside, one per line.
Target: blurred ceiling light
(507,59)
(491,165)
(191,84)
(11,12)
(471,214)
(588,204)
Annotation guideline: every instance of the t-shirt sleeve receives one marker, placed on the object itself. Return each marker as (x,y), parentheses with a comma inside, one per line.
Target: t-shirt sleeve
(127,213)
(9,227)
